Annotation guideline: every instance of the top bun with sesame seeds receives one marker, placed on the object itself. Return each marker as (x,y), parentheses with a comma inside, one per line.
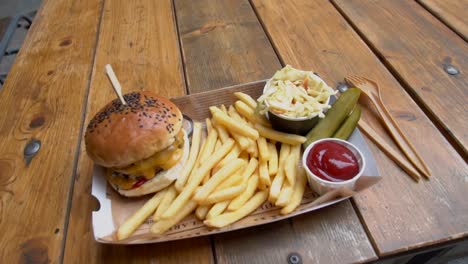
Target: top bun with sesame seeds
(136,141)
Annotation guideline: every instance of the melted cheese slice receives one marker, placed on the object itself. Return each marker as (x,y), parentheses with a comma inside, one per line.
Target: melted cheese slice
(148,168)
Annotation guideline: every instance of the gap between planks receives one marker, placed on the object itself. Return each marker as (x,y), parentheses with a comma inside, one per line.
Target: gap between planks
(80,136)
(444,130)
(441,19)
(179,43)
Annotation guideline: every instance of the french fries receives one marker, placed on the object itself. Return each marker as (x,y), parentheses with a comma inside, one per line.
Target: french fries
(282,137)
(222,132)
(231,124)
(209,145)
(246,99)
(291,164)
(279,178)
(232,173)
(134,221)
(263,150)
(273,161)
(298,192)
(169,196)
(196,178)
(231,217)
(209,127)
(263,173)
(225,194)
(193,154)
(240,200)
(218,144)
(165,224)
(233,180)
(217,178)
(285,195)
(249,114)
(217,209)
(202,211)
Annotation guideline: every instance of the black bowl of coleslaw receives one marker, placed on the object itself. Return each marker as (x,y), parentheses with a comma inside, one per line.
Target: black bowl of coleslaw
(292,122)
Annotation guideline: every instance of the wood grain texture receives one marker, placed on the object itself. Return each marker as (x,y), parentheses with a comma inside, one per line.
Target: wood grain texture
(318,237)
(139,40)
(452,13)
(398,214)
(4,22)
(223,44)
(417,47)
(43,99)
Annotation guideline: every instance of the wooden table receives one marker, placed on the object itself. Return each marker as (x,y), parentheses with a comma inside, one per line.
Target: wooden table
(177,47)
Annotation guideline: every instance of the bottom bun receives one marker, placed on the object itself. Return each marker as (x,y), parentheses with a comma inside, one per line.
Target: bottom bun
(162,179)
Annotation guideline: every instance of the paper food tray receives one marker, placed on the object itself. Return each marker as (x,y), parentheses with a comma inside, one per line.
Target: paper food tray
(114,209)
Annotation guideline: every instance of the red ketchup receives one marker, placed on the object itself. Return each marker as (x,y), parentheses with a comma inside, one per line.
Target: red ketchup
(332,161)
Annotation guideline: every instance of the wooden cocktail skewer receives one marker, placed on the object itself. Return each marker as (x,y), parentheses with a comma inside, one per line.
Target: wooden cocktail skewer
(115,83)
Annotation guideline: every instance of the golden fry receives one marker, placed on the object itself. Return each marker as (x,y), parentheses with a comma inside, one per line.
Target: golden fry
(226,194)
(233,180)
(279,178)
(228,218)
(273,161)
(263,173)
(209,126)
(168,198)
(165,224)
(263,150)
(249,114)
(298,192)
(194,148)
(209,145)
(229,157)
(269,133)
(285,195)
(219,143)
(222,132)
(240,200)
(233,125)
(247,99)
(196,178)
(252,148)
(217,209)
(217,178)
(223,108)
(134,221)
(202,210)
(291,164)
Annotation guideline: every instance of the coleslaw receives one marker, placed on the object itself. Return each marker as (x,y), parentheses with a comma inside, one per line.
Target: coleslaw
(295,93)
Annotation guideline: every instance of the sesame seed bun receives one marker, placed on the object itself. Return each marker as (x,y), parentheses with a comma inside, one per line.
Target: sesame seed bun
(119,135)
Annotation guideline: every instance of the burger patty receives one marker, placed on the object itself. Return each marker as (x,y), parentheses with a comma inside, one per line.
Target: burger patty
(138,173)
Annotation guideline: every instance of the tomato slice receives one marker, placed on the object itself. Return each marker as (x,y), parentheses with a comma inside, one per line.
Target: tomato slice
(139,182)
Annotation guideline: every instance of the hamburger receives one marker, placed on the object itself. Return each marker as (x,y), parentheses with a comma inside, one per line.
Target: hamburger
(141,144)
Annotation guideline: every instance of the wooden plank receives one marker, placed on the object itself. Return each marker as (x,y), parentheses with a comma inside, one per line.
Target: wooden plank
(4,22)
(318,237)
(223,44)
(417,47)
(43,99)
(398,213)
(452,13)
(139,39)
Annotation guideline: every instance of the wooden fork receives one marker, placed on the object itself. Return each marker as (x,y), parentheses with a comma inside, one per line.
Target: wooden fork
(372,91)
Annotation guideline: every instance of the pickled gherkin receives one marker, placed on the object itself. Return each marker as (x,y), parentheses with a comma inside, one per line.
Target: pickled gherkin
(348,126)
(335,116)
